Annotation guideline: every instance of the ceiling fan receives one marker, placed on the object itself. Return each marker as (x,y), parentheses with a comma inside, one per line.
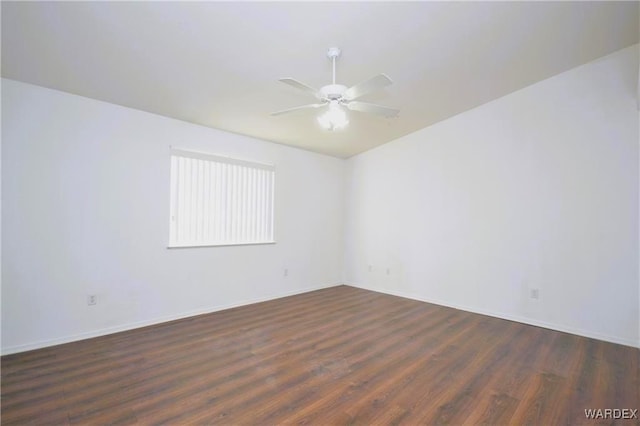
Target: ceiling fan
(337,97)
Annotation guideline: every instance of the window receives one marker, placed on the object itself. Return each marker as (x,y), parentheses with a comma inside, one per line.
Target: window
(220,201)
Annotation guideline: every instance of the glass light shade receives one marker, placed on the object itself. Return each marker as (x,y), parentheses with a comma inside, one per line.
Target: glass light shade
(335,118)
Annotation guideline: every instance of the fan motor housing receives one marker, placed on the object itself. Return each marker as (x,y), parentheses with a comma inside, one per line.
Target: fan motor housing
(332,92)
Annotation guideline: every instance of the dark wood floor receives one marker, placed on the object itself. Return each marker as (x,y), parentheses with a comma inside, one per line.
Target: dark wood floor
(335,356)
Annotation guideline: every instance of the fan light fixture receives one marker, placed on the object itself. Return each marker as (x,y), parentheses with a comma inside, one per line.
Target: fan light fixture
(335,118)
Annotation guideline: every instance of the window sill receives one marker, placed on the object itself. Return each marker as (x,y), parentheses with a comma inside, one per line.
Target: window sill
(181,246)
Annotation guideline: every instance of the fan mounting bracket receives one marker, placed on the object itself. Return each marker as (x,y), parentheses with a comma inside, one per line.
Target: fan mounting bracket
(333,53)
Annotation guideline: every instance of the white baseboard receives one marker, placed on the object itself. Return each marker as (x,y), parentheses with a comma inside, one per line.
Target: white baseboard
(138,324)
(516,318)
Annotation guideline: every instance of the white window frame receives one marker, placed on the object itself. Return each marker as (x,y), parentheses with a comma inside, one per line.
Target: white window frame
(229,201)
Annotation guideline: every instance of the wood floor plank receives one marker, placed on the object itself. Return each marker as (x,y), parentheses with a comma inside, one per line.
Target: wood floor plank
(492,409)
(540,405)
(340,355)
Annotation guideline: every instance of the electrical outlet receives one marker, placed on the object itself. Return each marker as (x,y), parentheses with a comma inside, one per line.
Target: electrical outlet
(388,271)
(534,293)
(370,268)
(92,299)
(286,272)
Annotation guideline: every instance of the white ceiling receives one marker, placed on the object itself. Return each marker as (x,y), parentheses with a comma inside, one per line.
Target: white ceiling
(217,64)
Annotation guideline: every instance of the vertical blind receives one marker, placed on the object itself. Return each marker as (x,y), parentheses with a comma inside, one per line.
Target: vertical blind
(220,201)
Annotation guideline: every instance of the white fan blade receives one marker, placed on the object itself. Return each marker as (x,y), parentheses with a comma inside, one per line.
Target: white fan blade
(297,108)
(299,85)
(361,89)
(372,108)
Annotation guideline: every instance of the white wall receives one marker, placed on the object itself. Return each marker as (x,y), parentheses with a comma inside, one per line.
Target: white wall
(86,211)
(538,189)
